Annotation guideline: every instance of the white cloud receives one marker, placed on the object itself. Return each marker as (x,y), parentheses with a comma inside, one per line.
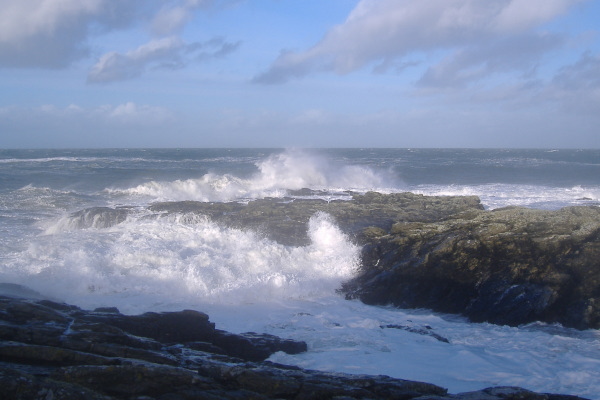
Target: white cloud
(384,31)
(471,63)
(167,53)
(111,125)
(53,33)
(126,113)
(170,19)
(115,66)
(577,87)
(520,15)
(133,113)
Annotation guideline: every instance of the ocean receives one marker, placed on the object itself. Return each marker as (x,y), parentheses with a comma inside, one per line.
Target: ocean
(247,282)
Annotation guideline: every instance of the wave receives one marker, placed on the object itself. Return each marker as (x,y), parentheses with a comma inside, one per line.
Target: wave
(275,177)
(94,217)
(503,195)
(182,258)
(50,159)
(34,200)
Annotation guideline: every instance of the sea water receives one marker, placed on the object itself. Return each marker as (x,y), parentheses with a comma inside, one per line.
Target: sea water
(246,282)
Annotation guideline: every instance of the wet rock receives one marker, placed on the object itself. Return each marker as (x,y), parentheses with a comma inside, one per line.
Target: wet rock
(280,381)
(509,266)
(252,346)
(17,385)
(166,327)
(425,331)
(124,381)
(286,220)
(99,355)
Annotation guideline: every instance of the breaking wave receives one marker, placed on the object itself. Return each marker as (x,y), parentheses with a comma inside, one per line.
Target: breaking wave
(275,177)
(180,258)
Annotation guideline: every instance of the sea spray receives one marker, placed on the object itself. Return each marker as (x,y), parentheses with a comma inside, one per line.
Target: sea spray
(181,258)
(276,175)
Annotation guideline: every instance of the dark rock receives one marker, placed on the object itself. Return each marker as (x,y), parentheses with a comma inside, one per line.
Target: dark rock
(135,379)
(26,353)
(98,355)
(255,347)
(426,331)
(277,381)
(167,327)
(107,310)
(510,266)
(16,385)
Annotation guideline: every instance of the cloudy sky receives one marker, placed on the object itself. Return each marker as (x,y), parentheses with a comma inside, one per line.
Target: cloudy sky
(302,73)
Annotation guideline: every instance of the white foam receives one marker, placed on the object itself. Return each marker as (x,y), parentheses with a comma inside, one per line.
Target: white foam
(278,173)
(182,258)
(346,336)
(502,195)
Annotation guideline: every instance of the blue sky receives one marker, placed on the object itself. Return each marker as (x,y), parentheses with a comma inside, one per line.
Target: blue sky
(291,73)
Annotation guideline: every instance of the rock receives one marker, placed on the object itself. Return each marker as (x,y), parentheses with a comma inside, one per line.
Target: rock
(508,266)
(286,220)
(425,331)
(445,253)
(255,347)
(17,385)
(97,217)
(280,381)
(166,327)
(103,355)
(134,379)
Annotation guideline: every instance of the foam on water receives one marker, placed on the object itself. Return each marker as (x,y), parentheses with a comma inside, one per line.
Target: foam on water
(502,195)
(179,258)
(278,173)
(347,336)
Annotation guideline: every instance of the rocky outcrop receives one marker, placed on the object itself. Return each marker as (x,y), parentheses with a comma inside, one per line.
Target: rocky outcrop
(445,253)
(50,350)
(508,266)
(285,220)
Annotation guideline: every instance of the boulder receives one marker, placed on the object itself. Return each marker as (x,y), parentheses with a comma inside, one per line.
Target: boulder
(508,266)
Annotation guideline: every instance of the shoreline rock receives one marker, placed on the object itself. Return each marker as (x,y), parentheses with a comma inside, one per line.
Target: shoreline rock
(508,266)
(51,350)
(286,220)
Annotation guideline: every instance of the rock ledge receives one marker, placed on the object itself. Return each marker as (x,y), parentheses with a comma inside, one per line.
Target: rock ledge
(52,350)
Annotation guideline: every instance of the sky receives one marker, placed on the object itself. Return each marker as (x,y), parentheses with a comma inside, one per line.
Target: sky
(299,73)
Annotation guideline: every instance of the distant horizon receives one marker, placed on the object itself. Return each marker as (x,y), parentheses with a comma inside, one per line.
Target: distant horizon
(301,148)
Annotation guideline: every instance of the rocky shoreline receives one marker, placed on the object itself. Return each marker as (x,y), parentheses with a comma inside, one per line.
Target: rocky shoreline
(507,266)
(51,350)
